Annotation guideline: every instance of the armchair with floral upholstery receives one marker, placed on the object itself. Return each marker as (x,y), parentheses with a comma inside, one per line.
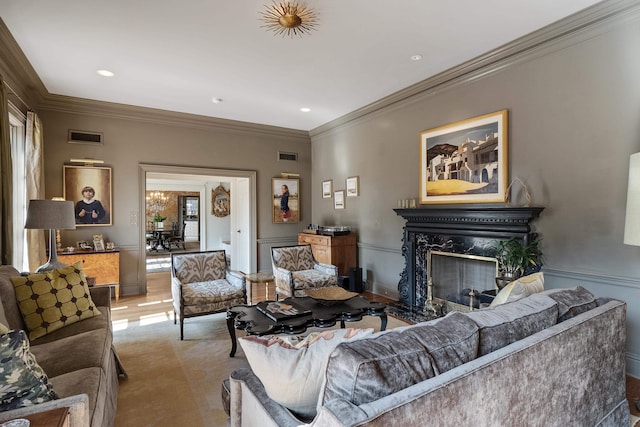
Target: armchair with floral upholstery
(202,283)
(295,270)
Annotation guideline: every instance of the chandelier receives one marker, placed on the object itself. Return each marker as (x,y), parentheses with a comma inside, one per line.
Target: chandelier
(289,18)
(157,201)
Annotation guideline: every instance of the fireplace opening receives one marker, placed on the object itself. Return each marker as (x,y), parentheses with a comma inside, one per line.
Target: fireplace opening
(454,275)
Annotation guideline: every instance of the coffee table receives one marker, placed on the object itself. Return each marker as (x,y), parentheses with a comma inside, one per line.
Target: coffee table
(323,315)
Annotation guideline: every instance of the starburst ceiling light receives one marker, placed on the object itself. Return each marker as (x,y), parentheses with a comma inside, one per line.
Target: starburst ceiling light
(289,18)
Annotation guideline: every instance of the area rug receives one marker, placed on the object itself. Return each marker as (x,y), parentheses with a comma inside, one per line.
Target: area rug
(173,382)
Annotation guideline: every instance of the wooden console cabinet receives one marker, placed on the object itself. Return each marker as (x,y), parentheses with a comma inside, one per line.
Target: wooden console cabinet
(340,251)
(104,266)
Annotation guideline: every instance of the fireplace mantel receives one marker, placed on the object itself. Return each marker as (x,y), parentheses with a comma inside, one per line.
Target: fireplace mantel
(465,229)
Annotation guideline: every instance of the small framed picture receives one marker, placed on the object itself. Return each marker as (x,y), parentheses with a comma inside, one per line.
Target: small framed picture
(353,186)
(338,199)
(98,242)
(327,189)
(83,245)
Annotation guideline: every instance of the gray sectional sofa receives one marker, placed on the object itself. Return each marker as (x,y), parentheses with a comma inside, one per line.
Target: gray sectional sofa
(556,358)
(78,359)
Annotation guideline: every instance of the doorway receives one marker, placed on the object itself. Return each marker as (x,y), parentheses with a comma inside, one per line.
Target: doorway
(243,238)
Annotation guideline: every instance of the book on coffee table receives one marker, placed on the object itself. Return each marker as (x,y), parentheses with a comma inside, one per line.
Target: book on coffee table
(280,310)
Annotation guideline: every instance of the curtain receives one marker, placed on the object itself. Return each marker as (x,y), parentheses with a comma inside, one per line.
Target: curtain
(36,245)
(6,182)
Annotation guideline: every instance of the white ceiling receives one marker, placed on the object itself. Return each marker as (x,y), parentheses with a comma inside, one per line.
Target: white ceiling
(179,54)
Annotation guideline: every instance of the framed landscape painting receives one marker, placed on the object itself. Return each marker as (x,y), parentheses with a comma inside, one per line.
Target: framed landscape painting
(286,200)
(465,162)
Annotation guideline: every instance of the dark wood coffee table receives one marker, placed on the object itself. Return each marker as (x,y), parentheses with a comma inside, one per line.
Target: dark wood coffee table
(323,315)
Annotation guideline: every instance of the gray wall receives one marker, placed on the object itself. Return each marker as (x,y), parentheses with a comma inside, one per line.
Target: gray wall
(574,107)
(127,143)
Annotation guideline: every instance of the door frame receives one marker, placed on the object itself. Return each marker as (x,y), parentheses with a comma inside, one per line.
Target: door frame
(144,168)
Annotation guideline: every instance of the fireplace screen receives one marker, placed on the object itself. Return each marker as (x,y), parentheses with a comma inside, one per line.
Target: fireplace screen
(454,275)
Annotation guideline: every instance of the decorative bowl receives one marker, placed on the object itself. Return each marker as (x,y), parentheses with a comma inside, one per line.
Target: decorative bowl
(330,294)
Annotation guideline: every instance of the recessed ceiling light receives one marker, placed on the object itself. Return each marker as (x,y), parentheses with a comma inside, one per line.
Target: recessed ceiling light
(305,109)
(217,100)
(416,57)
(105,73)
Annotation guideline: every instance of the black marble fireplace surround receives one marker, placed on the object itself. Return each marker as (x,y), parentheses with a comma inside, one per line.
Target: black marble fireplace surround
(462,229)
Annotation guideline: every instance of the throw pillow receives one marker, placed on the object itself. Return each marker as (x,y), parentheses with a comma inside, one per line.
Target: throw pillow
(364,371)
(572,302)
(3,329)
(54,299)
(291,371)
(520,288)
(24,383)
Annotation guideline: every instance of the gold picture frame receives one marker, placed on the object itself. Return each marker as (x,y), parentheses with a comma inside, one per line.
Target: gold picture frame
(98,243)
(285,210)
(466,161)
(220,201)
(97,179)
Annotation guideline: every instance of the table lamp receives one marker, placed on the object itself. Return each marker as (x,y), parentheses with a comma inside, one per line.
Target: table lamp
(50,215)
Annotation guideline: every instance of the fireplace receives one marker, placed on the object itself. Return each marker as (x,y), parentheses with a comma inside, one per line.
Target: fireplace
(468,234)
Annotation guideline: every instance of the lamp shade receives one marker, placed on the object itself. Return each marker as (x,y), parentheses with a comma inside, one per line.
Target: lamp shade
(632,217)
(50,214)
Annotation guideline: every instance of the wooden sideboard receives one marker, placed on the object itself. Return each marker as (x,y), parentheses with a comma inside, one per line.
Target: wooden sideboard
(104,266)
(340,251)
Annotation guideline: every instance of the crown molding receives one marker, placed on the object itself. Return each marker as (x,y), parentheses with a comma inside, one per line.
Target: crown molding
(18,73)
(568,31)
(66,104)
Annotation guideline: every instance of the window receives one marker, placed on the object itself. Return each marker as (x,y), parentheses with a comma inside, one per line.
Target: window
(17,135)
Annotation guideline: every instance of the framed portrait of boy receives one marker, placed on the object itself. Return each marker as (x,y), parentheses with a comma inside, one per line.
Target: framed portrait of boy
(89,188)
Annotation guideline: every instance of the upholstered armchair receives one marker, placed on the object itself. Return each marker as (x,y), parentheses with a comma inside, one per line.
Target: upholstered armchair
(295,269)
(202,283)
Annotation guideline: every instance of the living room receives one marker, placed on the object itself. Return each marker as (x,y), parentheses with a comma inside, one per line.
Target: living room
(573,97)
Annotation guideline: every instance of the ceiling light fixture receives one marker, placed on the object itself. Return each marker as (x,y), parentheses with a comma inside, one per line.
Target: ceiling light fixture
(305,109)
(416,57)
(217,100)
(105,73)
(289,18)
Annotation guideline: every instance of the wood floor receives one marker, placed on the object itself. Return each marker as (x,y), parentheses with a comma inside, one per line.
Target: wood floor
(156,305)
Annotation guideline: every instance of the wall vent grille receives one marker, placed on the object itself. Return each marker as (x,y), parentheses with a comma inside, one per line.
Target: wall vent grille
(85,137)
(287,156)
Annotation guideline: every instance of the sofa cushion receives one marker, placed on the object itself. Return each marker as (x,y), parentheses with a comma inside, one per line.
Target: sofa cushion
(90,349)
(51,300)
(366,370)
(572,302)
(507,323)
(95,384)
(520,288)
(10,313)
(22,380)
(293,372)
(311,279)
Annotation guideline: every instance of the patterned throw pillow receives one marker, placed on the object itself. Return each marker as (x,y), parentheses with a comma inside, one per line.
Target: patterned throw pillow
(292,371)
(54,299)
(24,383)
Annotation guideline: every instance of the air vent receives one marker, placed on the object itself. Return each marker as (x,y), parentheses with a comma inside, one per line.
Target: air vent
(287,156)
(85,137)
